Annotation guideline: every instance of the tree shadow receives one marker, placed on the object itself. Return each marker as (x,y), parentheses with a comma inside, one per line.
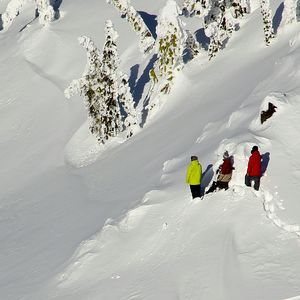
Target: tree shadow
(140,84)
(277,17)
(35,17)
(202,38)
(1,23)
(134,70)
(207,176)
(186,56)
(56,5)
(265,159)
(150,21)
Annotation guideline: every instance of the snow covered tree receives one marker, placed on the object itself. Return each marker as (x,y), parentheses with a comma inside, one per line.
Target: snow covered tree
(192,45)
(146,41)
(289,12)
(239,7)
(170,44)
(195,7)
(12,11)
(99,86)
(110,118)
(45,11)
(218,26)
(267,20)
(126,101)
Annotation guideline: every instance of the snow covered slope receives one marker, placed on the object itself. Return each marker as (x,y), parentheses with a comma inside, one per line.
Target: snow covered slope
(124,227)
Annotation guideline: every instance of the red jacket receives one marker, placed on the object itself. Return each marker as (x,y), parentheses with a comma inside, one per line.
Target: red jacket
(254,164)
(226,167)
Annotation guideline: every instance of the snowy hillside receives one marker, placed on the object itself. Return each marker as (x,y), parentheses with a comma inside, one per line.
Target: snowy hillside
(118,223)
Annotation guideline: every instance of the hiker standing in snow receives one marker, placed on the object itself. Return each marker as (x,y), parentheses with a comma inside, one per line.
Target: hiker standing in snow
(193,176)
(254,169)
(225,174)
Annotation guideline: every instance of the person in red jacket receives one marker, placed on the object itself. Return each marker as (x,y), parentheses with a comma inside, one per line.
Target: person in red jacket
(254,169)
(225,174)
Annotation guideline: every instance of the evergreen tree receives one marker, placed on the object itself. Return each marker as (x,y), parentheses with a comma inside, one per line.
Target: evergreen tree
(170,44)
(12,11)
(239,7)
(126,101)
(44,10)
(219,26)
(267,20)
(195,7)
(99,86)
(146,41)
(192,45)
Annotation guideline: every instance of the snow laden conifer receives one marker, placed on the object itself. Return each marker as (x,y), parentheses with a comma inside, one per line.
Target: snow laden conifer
(44,10)
(219,26)
(131,120)
(99,86)
(146,39)
(289,15)
(195,7)
(267,20)
(239,7)
(90,86)
(191,44)
(110,118)
(169,46)
(12,11)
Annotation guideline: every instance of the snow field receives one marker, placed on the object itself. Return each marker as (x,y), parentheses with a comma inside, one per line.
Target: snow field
(128,212)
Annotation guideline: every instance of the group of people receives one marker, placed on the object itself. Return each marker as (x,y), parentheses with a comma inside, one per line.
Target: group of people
(253,174)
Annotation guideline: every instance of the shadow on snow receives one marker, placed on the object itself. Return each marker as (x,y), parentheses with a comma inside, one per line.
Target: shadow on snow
(277,17)
(150,21)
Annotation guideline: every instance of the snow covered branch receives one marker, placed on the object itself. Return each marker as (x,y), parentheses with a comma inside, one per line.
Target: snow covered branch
(146,41)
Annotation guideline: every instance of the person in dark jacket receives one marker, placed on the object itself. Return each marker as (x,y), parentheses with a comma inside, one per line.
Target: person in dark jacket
(225,174)
(254,169)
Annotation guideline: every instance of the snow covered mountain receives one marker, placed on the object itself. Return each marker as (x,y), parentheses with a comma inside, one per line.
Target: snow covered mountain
(81,224)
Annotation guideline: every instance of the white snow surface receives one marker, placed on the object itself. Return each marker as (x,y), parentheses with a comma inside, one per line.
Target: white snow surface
(84,222)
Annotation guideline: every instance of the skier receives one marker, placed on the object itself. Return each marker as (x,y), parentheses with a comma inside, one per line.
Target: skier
(193,176)
(254,169)
(225,174)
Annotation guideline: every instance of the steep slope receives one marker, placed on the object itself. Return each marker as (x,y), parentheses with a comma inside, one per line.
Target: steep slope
(231,245)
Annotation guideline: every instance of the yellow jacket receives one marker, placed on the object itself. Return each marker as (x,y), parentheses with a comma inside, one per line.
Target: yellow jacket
(194,173)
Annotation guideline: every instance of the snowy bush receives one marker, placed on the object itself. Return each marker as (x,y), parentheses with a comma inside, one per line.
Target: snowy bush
(146,41)
(267,20)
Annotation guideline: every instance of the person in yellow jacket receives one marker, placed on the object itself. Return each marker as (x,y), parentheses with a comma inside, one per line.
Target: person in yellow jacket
(193,176)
